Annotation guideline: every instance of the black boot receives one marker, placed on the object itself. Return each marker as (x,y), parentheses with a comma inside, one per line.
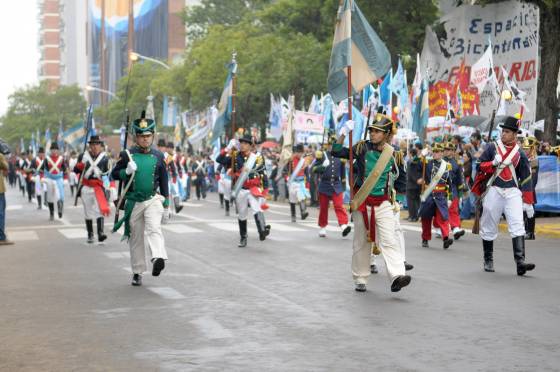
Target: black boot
(262,227)
(221,200)
(177,204)
(226,204)
(488,248)
(51,211)
(60,208)
(72,190)
(408,266)
(45,199)
(100,224)
(519,255)
(136,280)
(530,228)
(39,202)
(242,233)
(293,211)
(303,210)
(89,227)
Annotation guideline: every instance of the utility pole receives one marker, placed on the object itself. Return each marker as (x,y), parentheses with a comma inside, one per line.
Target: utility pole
(103,78)
(130,30)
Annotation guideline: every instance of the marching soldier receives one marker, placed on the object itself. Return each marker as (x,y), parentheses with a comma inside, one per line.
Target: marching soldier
(530,145)
(504,183)
(224,187)
(180,165)
(91,166)
(72,176)
(297,192)
(37,165)
(28,171)
(374,171)
(247,171)
(332,182)
(199,175)
(173,177)
(457,188)
(435,198)
(54,168)
(146,197)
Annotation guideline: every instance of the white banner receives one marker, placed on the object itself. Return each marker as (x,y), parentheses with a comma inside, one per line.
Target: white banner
(512,27)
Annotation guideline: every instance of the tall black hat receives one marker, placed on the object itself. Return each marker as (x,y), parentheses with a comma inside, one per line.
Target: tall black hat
(95,139)
(54,146)
(511,123)
(247,139)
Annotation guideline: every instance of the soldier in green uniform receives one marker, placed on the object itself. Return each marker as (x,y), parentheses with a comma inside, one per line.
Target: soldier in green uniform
(146,200)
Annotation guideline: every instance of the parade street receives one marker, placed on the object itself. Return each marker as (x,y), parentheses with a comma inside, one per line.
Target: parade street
(285,304)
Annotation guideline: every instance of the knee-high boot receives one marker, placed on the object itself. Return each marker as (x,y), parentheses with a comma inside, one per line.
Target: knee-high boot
(530,228)
(177,203)
(60,207)
(303,210)
(488,247)
(519,255)
(51,211)
(39,202)
(221,200)
(242,233)
(262,227)
(293,211)
(100,224)
(89,227)
(226,204)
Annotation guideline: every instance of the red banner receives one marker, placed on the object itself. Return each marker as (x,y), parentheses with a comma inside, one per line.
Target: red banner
(438,100)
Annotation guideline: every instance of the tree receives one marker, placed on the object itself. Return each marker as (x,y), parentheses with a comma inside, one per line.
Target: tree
(34,107)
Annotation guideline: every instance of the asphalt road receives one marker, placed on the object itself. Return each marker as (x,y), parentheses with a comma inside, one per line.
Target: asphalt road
(286,304)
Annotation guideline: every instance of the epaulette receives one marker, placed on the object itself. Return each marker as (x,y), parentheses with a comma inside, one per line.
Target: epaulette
(360,146)
(259,160)
(449,167)
(399,158)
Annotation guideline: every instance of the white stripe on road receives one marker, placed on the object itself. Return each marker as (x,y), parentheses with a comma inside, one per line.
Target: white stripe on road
(181,229)
(14,207)
(167,292)
(286,228)
(21,236)
(211,328)
(116,255)
(231,227)
(73,233)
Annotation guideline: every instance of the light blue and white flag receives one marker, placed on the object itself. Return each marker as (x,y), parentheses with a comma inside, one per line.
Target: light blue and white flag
(385,93)
(60,137)
(21,145)
(47,139)
(275,118)
(355,44)
(169,111)
(225,104)
(421,110)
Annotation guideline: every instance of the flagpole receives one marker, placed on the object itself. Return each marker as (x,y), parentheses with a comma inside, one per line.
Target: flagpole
(351,157)
(233,94)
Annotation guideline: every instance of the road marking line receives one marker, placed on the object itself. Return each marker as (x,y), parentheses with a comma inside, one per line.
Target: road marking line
(285,228)
(21,236)
(73,233)
(211,328)
(117,255)
(14,207)
(181,229)
(167,292)
(224,226)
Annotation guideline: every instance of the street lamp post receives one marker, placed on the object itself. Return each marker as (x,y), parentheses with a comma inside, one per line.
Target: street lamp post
(135,56)
(89,88)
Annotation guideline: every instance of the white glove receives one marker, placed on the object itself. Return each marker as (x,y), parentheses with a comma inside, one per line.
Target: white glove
(347,127)
(528,208)
(326,162)
(232,144)
(131,167)
(166,216)
(449,202)
(497,160)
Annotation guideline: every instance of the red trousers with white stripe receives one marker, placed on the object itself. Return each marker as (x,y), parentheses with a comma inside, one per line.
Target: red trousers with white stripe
(338,202)
(438,222)
(454,219)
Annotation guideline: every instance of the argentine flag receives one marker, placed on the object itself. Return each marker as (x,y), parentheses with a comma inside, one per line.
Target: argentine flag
(225,105)
(355,44)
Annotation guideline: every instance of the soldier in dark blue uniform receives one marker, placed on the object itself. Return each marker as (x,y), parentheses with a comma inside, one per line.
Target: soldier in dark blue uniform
(436,197)
(457,188)
(332,182)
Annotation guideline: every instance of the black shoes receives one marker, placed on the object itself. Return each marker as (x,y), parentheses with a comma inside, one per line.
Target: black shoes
(293,211)
(524,267)
(373,269)
(447,243)
(360,287)
(346,230)
(177,203)
(400,282)
(458,233)
(262,227)
(303,210)
(519,256)
(60,207)
(136,280)
(408,266)
(159,265)
(425,244)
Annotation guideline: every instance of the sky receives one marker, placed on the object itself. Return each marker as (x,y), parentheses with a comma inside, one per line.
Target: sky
(19,29)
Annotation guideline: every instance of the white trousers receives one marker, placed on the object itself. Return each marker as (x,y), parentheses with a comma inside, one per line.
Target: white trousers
(145,232)
(246,200)
(385,234)
(72,179)
(399,235)
(53,192)
(224,187)
(296,191)
(91,207)
(500,201)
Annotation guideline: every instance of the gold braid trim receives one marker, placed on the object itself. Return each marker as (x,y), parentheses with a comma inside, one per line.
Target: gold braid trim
(528,179)
(360,146)
(399,158)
